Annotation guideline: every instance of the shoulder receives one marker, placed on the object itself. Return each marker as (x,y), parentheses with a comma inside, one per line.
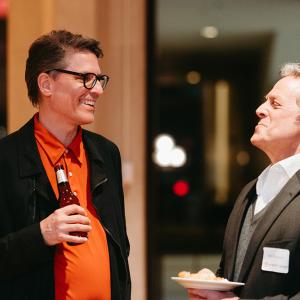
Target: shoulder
(244,197)
(8,142)
(19,139)
(249,186)
(26,130)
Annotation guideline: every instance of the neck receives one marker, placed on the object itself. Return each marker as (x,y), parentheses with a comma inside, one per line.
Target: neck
(281,156)
(63,131)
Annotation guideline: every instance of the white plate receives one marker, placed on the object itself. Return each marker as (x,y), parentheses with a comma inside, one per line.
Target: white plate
(216,285)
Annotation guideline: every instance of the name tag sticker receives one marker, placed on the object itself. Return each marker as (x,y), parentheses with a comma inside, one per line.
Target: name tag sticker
(276,260)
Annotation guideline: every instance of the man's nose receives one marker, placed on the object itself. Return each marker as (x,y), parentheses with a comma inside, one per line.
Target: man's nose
(97,88)
(261,111)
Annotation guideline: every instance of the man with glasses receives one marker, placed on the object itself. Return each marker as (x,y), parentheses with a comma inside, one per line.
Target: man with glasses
(64,82)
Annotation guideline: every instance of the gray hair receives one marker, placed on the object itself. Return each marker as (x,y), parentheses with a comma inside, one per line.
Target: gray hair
(290,69)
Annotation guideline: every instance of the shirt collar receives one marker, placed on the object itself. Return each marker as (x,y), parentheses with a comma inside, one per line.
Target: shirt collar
(76,146)
(53,147)
(274,177)
(291,164)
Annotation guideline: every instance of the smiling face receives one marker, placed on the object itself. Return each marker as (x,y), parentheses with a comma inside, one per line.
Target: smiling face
(278,130)
(69,102)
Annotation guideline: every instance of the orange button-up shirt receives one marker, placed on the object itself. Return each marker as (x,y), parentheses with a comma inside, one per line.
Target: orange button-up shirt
(81,271)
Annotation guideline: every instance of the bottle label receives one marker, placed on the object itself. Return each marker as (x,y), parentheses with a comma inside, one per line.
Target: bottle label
(61,176)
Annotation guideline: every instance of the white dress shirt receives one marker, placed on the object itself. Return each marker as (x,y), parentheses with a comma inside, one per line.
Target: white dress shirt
(273,179)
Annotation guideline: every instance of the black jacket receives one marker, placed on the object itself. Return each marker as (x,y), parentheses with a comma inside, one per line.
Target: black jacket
(26,197)
(279,228)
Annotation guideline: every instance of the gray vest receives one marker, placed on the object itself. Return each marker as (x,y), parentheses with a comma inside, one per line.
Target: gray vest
(249,225)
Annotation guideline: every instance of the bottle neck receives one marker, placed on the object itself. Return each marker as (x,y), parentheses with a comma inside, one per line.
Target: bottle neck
(61,176)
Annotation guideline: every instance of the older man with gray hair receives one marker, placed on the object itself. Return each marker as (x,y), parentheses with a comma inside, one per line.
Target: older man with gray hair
(262,239)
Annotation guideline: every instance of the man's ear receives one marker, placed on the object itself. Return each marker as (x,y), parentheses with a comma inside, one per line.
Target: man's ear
(45,84)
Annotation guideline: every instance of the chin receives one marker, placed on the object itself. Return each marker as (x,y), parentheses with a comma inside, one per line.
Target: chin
(252,139)
(255,140)
(85,119)
(86,122)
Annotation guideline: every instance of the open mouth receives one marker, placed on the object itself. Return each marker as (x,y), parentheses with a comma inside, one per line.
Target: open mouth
(90,103)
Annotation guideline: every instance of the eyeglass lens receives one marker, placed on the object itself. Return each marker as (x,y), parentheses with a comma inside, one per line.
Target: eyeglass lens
(90,80)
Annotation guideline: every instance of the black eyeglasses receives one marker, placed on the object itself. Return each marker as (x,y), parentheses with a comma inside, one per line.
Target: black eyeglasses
(89,79)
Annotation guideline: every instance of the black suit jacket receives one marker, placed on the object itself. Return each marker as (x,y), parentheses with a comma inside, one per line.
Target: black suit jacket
(278,228)
(26,197)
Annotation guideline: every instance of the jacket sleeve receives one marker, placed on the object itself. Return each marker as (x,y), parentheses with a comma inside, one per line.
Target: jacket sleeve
(22,251)
(22,247)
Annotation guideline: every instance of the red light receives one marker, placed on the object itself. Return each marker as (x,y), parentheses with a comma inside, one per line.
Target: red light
(3,8)
(181,188)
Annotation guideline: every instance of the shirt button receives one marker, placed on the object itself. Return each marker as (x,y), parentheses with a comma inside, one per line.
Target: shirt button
(70,174)
(75,193)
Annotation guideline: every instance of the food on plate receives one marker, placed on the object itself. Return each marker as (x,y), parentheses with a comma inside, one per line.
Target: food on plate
(203,274)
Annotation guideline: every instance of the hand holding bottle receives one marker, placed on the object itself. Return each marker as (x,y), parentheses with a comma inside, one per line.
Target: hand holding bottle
(69,223)
(59,226)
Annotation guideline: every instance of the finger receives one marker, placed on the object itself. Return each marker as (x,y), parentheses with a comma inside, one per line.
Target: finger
(73,209)
(77,239)
(78,219)
(197,296)
(73,239)
(197,291)
(76,227)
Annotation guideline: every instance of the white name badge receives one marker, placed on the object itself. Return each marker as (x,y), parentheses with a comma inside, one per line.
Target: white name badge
(276,260)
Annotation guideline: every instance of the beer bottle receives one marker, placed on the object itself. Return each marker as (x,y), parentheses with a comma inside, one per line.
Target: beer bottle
(66,196)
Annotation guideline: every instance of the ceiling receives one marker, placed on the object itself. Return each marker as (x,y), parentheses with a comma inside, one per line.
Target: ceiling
(239,21)
(242,24)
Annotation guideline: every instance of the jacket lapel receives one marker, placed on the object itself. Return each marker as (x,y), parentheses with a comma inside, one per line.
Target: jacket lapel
(236,222)
(279,203)
(101,192)
(30,164)
(97,172)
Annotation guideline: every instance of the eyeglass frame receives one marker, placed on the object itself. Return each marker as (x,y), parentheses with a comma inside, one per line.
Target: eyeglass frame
(104,78)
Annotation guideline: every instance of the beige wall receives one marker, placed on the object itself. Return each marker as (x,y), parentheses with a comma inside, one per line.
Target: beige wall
(120,26)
